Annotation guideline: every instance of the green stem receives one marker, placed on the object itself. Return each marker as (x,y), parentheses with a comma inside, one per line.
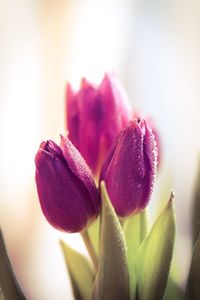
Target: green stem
(90,248)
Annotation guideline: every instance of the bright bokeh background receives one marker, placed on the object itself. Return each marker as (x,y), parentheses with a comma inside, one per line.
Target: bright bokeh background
(154,48)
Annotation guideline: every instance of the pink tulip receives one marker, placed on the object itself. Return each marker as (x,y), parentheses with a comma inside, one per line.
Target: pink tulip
(130,168)
(68,196)
(95,116)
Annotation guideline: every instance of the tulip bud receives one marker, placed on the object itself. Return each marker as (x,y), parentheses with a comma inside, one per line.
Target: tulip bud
(158,141)
(156,134)
(68,196)
(130,168)
(95,116)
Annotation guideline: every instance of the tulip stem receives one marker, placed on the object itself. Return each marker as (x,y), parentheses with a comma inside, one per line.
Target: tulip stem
(90,248)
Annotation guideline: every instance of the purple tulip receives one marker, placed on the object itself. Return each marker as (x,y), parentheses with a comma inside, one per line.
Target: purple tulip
(158,141)
(130,168)
(156,134)
(95,116)
(68,196)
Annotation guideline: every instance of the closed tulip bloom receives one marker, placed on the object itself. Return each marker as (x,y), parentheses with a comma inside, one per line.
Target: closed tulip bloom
(158,140)
(95,116)
(130,168)
(157,137)
(67,193)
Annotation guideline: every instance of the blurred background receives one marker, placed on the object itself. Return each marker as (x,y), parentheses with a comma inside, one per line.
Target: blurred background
(153,46)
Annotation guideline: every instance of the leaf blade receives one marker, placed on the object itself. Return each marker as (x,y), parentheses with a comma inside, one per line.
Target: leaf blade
(196,209)
(193,287)
(80,272)
(135,230)
(112,280)
(154,256)
(173,290)
(1,295)
(8,282)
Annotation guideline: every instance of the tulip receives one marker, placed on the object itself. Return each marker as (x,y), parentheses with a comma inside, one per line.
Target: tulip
(130,168)
(157,137)
(95,116)
(67,193)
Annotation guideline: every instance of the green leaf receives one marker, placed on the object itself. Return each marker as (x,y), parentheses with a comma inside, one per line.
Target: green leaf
(173,290)
(196,209)
(154,256)
(135,230)
(80,271)
(193,286)
(112,280)
(8,283)
(93,231)
(165,185)
(1,295)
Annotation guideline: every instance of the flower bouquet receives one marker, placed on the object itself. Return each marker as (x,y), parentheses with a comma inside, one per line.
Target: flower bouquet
(98,182)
